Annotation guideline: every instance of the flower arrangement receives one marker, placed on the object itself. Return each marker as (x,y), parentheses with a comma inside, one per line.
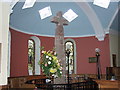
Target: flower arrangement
(50,64)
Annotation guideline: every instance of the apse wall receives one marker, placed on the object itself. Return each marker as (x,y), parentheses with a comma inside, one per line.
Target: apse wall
(85,48)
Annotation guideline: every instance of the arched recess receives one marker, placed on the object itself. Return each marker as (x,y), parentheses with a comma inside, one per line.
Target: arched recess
(74,46)
(9,50)
(99,31)
(37,54)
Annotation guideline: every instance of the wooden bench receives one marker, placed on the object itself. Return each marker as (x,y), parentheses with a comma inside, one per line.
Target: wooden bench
(19,82)
(108,84)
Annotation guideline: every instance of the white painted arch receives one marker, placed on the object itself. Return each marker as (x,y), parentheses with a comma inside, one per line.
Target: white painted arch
(37,54)
(99,31)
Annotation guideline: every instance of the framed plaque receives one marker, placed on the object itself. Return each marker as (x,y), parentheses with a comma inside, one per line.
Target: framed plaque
(92,59)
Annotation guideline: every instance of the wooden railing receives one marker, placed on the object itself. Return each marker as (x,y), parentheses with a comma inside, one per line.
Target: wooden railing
(85,84)
(20,82)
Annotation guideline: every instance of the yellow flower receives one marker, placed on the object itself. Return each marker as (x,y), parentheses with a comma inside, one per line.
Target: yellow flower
(53,70)
(57,61)
(50,63)
(54,57)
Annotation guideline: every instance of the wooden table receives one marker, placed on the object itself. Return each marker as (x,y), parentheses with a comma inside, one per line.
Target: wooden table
(108,84)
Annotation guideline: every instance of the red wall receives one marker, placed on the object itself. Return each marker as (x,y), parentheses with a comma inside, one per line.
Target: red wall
(85,48)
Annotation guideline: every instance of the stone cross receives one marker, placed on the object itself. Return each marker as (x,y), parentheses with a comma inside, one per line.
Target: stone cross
(59,43)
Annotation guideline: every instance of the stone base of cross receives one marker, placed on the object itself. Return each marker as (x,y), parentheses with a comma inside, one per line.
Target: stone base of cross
(59,44)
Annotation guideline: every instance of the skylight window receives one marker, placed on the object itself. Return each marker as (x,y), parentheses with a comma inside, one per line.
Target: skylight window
(102,3)
(45,12)
(28,4)
(12,4)
(6,0)
(70,15)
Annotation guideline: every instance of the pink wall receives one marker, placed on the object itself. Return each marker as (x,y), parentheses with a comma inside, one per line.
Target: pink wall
(19,51)
(18,54)
(85,48)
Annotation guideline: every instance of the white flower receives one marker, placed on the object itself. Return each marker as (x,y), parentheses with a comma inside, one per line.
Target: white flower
(49,62)
(43,51)
(50,58)
(61,72)
(55,53)
(47,56)
(55,76)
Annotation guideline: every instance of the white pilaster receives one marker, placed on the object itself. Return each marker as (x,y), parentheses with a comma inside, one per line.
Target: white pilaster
(4,28)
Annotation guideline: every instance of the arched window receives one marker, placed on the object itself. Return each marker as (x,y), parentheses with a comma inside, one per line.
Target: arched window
(72,58)
(31,57)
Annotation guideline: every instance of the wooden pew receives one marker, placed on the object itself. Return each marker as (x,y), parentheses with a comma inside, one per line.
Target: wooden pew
(81,77)
(108,84)
(19,82)
(113,71)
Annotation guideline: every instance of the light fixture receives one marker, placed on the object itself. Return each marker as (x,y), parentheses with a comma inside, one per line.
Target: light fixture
(102,3)
(98,66)
(70,15)
(97,50)
(45,12)
(68,55)
(28,4)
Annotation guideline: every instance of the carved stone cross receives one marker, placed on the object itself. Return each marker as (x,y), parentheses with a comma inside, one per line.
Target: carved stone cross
(60,21)
(59,43)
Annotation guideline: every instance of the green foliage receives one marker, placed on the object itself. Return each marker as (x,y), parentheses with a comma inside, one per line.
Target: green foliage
(50,64)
